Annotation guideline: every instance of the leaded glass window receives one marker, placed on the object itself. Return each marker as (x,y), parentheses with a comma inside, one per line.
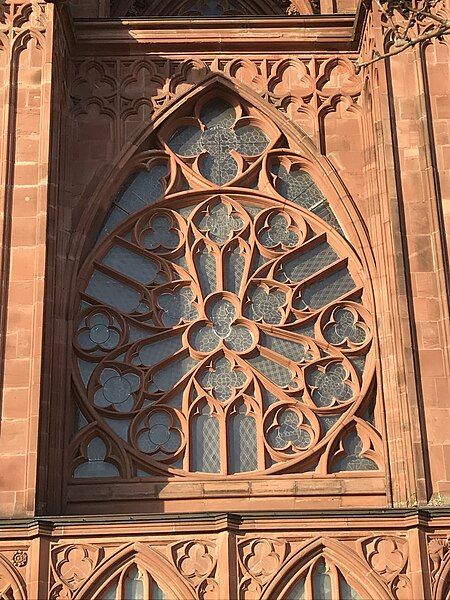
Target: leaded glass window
(322,581)
(134,583)
(223,326)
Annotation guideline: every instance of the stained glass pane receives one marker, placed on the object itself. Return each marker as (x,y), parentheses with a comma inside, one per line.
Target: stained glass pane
(96,465)
(219,166)
(303,265)
(217,112)
(329,288)
(157,351)
(131,264)
(206,265)
(329,384)
(279,233)
(234,269)
(298,591)
(164,379)
(289,433)
(162,233)
(222,379)
(220,223)
(110,593)
(274,371)
(186,141)
(251,140)
(205,452)
(242,442)
(157,593)
(346,591)
(299,187)
(345,328)
(353,461)
(111,291)
(322,582)
(287,348)
(134,585)
(266,305)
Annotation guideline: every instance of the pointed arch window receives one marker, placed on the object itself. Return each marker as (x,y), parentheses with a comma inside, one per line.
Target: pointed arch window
(133,583)
(322,581)
(223,324)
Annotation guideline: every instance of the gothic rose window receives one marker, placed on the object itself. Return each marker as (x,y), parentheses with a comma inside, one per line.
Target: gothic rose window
(223,325)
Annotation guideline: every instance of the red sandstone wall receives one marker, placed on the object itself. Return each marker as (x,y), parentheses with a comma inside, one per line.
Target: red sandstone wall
(385,133)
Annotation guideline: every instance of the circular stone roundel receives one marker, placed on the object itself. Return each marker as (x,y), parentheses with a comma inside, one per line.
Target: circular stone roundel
(222,334)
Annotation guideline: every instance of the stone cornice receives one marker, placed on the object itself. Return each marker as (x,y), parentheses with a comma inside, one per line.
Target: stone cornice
(318,33)
(357,519)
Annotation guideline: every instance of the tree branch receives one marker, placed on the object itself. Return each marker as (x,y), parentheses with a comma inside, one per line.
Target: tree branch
(401,44)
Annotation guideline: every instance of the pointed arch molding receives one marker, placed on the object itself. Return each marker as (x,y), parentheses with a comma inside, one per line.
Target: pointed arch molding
(159,567)
(350,445)
(359,574)
(97,197)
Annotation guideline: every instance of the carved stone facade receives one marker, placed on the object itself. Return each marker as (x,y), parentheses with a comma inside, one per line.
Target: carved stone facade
(224,309)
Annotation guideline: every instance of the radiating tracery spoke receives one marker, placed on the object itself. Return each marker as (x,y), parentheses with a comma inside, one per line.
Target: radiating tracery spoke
(224,332)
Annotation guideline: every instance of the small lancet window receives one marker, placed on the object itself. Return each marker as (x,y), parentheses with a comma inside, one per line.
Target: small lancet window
(322,581)
(133,584)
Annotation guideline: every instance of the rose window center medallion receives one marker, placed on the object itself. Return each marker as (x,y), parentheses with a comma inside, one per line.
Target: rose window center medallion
(222,332)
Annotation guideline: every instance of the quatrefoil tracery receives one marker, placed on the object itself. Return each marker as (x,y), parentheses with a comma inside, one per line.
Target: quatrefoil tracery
(220,320)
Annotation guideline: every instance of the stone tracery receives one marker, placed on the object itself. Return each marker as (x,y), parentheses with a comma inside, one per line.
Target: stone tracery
(224,315)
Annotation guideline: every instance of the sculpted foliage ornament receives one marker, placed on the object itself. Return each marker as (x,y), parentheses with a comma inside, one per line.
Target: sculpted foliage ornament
(223,326)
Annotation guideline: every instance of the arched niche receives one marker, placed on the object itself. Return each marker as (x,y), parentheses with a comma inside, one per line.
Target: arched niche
(325,568)
(135,571)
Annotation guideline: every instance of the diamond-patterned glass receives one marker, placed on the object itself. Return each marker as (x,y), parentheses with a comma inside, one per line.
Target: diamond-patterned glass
(206,453)
(243,444)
